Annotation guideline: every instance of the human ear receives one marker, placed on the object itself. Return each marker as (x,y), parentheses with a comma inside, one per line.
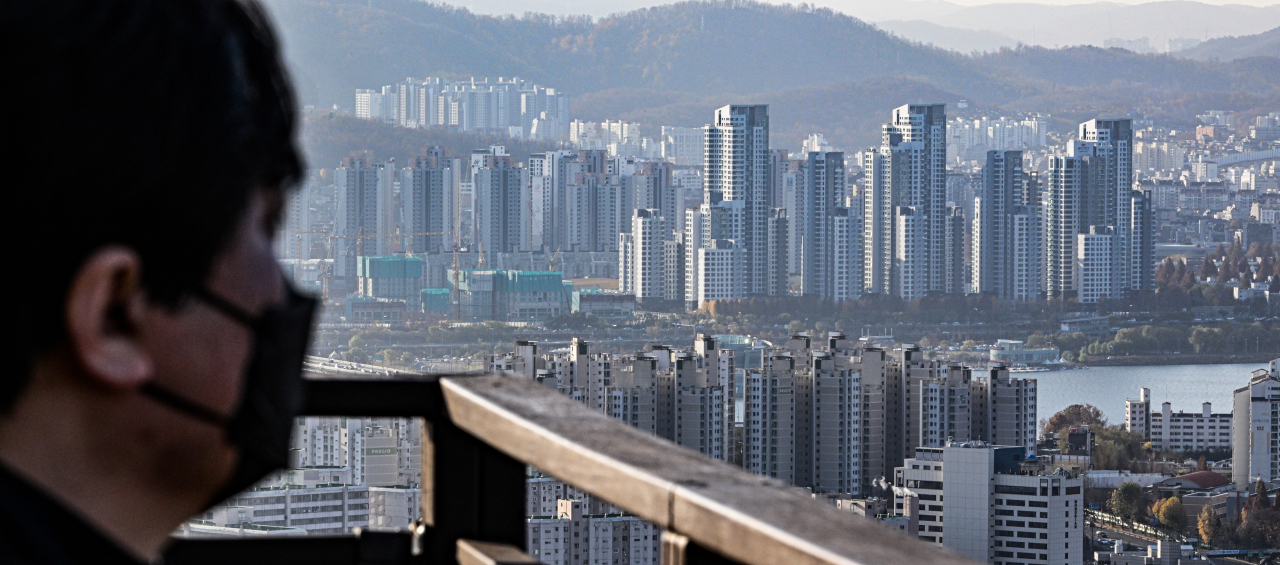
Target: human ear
(104,306)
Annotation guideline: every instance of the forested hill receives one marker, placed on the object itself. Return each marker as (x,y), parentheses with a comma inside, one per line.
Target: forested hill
(1265,44)
(672,64)
(737,47)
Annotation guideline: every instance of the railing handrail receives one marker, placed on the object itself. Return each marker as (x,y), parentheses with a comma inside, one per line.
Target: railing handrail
(484,430)
(741,516)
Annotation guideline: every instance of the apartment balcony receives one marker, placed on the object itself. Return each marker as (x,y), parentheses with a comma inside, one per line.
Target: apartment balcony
(482,432)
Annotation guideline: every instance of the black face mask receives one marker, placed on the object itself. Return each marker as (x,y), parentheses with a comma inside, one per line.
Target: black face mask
(273,390)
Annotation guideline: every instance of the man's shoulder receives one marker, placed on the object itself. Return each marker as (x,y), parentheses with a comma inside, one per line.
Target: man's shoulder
(36,529)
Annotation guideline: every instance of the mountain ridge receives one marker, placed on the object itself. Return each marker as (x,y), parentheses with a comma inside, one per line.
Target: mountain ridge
(669,64)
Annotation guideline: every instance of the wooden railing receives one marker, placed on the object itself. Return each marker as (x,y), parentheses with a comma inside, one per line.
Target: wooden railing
(482,431)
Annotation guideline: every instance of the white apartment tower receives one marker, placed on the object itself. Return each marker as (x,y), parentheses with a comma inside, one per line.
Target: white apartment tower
(911,246)
(1091,187)
(906,190)
(846,233)
(642,256)
(1254,429)
(1137,413)
(736,164)
(1002,225)
(717,272)
(1093,272)
(818,197)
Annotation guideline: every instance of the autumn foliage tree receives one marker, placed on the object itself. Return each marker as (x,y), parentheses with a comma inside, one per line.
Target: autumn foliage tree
(1076,415)
(1171,513)
(1209,525)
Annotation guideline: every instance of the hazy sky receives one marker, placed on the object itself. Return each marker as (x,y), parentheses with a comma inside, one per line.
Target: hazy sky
(867,9)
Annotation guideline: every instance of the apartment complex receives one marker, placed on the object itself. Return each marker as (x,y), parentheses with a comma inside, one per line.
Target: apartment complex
(1178,431)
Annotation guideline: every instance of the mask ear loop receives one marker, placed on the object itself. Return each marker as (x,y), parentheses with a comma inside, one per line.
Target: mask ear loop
(225,307)
(186,406)
(183,405)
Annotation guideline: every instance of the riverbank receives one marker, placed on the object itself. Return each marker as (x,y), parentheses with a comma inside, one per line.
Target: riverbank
(1182,359)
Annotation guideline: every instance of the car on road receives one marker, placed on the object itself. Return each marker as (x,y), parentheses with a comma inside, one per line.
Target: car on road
(1100,534)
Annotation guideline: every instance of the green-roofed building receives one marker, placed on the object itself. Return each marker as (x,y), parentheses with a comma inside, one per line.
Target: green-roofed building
(395,277)
(511,295)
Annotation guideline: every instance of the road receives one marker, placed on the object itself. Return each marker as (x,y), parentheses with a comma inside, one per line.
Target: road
(1135,541)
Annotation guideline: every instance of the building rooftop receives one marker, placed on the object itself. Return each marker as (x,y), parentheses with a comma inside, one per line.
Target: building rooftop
(1205,479)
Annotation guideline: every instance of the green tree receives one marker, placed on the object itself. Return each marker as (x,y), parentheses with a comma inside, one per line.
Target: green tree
(1209,525)
(1172,514)
(1129,502)
(357,342)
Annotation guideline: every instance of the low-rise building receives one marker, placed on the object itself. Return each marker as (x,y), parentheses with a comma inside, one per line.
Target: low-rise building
(512,295)
(603,304)
(1178,431)
(322,509)
(981,501)
(1189,431)
(1013,352)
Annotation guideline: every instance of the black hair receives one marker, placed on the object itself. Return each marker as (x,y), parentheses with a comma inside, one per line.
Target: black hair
(142,123)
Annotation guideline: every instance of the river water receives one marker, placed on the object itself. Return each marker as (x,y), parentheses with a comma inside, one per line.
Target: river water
(1186,386)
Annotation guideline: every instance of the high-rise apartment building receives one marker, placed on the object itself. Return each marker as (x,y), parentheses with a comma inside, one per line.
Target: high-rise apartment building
(769,418)
(829,425)
(955,273)
(673,265)
(642,257)
(717,272)
(736,165)
(683,146)
(499,200)
(1005,241)
(1090,192)
(1137,414)
(1028,253)
(1004,409)
(364,196)
(905,197)
(1142,246)
(846,233)
(778,226)
(818,197)
(548,179)
(1095,278)
(427,190)
(1254,428)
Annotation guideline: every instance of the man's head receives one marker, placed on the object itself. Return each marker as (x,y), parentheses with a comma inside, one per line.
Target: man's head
(151,145)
